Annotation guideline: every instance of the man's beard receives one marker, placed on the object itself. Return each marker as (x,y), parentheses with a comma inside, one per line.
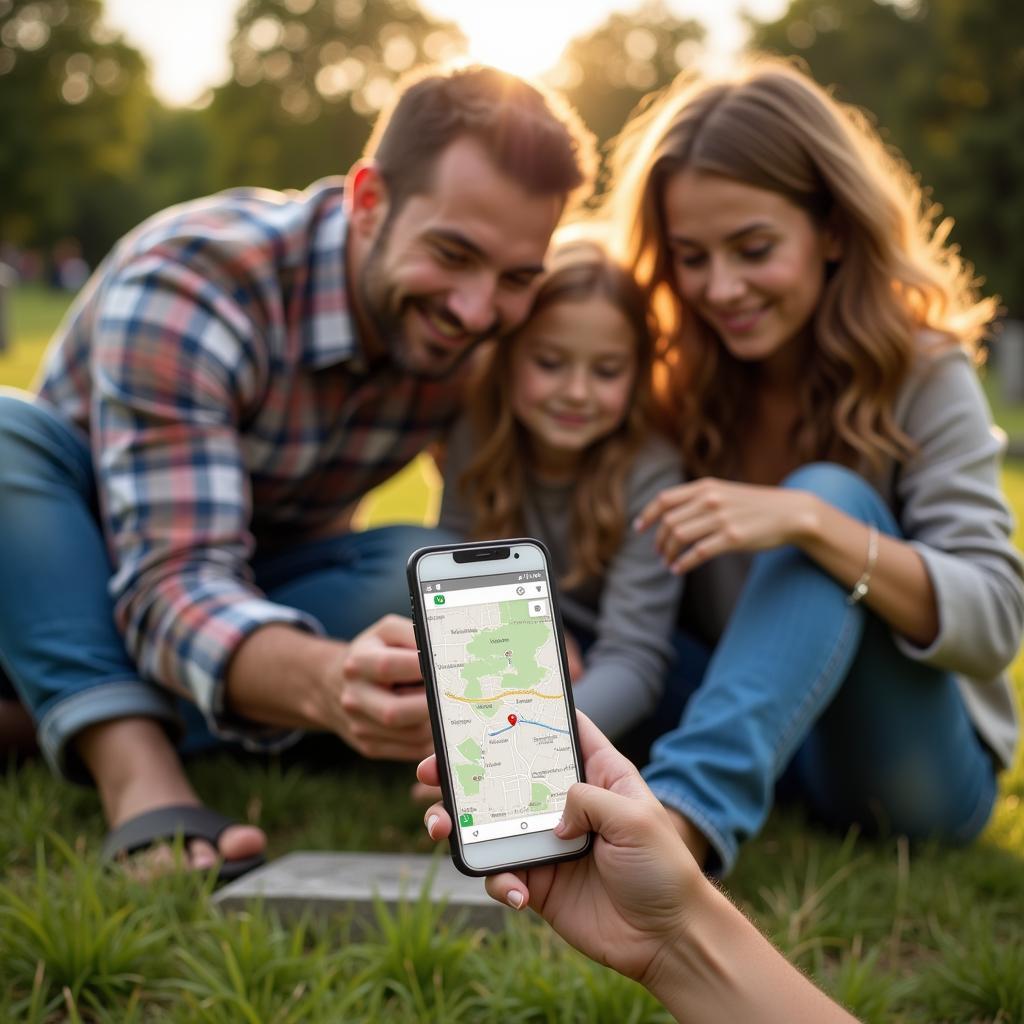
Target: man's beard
(387,311)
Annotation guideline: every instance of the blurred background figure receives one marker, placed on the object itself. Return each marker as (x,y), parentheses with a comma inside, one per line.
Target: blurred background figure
(68,270)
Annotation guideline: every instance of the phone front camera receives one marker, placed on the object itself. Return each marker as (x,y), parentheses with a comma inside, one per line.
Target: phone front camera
(516,555)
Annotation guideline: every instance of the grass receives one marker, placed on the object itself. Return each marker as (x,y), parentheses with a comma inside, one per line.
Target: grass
(896,932)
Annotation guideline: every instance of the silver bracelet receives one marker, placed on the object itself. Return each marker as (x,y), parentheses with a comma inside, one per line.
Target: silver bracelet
(863,585)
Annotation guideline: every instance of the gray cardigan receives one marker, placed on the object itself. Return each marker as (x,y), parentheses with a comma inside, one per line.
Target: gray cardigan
(629,612)
(949,504)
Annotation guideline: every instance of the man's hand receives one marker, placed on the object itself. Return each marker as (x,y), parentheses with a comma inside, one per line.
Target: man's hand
(368,691)
(372,711)
(627,901)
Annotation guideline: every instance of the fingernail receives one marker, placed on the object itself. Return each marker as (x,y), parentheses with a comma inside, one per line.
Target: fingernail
(560,827)
(515,899)
(431,822)
(203,860)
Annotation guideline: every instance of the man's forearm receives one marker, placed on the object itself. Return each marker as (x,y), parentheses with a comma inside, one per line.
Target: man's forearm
(277,676)
(725,970)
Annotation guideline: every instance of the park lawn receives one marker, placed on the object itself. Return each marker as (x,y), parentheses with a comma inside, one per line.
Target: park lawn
(898,933)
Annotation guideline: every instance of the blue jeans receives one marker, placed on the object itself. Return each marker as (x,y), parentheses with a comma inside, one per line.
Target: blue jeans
(810,691)
(59,646)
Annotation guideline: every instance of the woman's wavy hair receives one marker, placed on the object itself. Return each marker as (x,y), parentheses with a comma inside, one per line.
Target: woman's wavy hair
(772,127)
(495,483)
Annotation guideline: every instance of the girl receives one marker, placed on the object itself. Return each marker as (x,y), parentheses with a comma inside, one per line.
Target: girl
(844,540)
(556,444)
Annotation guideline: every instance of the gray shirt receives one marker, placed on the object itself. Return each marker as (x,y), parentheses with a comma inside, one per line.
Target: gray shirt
(630,611)
(949,504)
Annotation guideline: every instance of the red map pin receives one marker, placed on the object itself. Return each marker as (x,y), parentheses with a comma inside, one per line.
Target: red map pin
(512,719)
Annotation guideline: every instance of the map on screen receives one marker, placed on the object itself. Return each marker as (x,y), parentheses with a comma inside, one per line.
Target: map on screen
(500,692)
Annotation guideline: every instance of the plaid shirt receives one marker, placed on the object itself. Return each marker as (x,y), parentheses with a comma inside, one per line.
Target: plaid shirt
(213,363)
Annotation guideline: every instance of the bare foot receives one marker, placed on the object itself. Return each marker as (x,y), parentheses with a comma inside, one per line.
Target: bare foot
(136,769)
(17,730)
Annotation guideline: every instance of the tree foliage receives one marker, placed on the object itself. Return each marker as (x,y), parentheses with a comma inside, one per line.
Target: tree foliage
(86,150)
(307,80)
(73,104)
(607,73)
(945,80)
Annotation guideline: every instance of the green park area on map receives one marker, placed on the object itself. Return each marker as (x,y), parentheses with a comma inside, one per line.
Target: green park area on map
(539,798)
(470,749)
(470,777)
(508,652)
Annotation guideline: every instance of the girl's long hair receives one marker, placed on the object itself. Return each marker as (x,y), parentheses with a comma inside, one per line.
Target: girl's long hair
(896,282)
(495,483)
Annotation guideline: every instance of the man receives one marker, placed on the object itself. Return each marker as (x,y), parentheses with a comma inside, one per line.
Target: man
(239,372)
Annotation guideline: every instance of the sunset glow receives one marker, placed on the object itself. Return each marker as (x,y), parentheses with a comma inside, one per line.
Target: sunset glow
(527,40)
(186,42)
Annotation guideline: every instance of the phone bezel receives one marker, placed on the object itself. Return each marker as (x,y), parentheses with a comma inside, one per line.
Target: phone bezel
(511,852)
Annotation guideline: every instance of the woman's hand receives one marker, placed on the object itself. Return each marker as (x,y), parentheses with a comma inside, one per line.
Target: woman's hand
(627,901)
(699,520)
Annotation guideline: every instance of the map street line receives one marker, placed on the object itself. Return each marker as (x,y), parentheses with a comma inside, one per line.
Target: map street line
(527,721)
(503,694)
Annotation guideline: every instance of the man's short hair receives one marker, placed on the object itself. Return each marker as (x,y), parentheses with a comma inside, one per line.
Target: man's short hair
(533,137)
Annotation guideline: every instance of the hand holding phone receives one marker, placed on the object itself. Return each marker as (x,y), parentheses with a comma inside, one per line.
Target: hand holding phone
(628,902)
(500,700)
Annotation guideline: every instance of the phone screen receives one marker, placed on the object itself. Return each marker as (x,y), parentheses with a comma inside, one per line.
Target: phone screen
(501,696)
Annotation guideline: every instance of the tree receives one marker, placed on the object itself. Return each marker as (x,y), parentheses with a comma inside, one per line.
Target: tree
(308,79)
(73,103)
(606,74)
(945,80)
(176,157)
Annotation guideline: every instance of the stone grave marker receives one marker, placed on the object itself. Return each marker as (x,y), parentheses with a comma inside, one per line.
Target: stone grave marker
(326,883)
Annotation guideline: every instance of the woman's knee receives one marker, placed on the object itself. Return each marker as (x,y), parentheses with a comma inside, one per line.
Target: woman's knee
(840,487)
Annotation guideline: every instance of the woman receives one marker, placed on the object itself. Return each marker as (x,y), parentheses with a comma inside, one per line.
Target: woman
(844,540)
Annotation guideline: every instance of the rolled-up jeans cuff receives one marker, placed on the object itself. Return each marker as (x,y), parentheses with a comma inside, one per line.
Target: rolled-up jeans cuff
(104,702)
(724,851)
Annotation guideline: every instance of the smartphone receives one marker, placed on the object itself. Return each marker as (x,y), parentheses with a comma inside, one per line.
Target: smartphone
(493,659)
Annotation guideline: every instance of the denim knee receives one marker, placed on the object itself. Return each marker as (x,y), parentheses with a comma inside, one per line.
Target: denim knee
(37,441)
(384,554)
(349,581)
(843,489)
(15,407)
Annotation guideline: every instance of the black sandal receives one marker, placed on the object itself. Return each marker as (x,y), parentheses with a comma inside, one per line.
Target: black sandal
(165,824)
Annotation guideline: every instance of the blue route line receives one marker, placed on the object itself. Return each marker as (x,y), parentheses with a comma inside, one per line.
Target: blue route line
(529,721)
